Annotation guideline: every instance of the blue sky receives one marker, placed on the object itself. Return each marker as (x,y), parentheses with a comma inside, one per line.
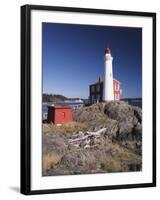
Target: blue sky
(73,58)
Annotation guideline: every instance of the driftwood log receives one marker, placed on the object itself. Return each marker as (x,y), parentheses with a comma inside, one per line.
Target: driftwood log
(87,139)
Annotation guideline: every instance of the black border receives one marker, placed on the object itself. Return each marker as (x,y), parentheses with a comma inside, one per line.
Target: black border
(26,95)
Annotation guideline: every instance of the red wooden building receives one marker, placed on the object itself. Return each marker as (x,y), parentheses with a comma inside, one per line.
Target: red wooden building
(96,91)
(116,89)
(59,114)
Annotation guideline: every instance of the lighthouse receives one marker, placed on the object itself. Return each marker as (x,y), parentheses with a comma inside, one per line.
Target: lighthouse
(106,88)
(108,93)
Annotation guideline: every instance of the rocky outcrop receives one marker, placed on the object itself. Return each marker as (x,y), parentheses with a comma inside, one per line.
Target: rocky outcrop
(100,159)
(90,113)
(123,122)
(120,111)
(104,137)
(53,143)
(77,162)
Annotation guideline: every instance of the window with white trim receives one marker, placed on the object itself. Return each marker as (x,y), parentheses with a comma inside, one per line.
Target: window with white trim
(92,88)
(116,96)
(98,88)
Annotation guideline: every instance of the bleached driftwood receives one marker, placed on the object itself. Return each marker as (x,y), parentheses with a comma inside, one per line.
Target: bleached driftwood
(85,139)
(97,133)
(78,139)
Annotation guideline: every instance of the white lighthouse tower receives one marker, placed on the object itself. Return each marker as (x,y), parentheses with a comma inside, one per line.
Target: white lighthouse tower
(108,94)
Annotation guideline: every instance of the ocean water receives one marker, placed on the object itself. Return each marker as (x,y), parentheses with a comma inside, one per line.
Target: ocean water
(76,105)
(135,103)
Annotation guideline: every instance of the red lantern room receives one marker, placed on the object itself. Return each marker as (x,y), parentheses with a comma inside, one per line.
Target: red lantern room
(107,51)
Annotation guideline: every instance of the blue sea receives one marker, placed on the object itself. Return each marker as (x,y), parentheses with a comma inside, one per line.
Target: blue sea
(75,105)
(135,103)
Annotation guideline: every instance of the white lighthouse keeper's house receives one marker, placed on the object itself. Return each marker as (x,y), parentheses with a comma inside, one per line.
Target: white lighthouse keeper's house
(108,94)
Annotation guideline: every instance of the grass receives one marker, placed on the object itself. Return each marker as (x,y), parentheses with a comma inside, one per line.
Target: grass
(111,165)
(119,160)
(111,158)
(67,129)
(49,161)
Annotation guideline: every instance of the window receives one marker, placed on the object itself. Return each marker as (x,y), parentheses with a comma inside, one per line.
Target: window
(98,97)
(116,86)
(98,88)
(92,88)
(116,96)
(92,97)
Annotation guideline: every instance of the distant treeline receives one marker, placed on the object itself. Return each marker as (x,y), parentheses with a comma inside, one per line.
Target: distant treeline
(53,97)
(56,97)
(132,99)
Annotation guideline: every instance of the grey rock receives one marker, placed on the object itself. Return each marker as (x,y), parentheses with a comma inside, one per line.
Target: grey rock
(53,143)
(119,111)
(138,114)
(76,162)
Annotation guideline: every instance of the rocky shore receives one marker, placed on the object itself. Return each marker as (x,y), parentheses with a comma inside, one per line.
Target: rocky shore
(104,137)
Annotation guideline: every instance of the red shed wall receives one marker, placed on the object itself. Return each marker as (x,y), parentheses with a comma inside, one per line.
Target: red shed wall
(62,115)
(59,114)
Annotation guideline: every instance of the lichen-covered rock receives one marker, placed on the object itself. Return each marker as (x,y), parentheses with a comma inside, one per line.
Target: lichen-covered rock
(138,131)
(125,128)
(104,137)
(120,119)
(77,162)
(119,110)
(138,113)
(90,113)
(53,143)
(112,158)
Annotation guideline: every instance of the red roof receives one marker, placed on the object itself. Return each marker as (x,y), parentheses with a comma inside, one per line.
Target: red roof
(117,81)
(108,51)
